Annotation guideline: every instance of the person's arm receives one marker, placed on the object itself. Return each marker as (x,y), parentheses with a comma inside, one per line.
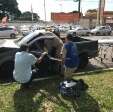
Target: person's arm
(63,54)
(42,56)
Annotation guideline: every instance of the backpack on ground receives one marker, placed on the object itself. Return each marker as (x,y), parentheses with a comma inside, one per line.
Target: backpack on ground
(73,88)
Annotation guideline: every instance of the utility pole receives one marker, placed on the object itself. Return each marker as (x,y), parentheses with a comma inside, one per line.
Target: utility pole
(100,12)
(79,7)
(45,10)
(32,18)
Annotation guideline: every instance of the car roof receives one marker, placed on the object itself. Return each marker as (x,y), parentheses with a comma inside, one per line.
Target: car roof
(8,27)
(29,37)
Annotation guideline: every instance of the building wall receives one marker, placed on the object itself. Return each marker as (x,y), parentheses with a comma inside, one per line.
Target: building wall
(86,22)
(65,17)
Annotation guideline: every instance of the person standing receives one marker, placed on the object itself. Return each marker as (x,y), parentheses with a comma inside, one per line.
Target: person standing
(54,47)
(70,55)
(23,66)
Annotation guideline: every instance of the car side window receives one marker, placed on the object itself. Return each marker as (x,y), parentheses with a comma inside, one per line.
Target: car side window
(85,29)
(8,28)
(103,28)
(2,29)
(5,28)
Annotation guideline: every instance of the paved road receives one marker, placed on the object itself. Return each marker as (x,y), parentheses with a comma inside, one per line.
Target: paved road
(98,37)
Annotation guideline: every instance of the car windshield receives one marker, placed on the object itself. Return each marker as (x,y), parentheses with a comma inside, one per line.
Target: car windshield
(32,36)
(98,27)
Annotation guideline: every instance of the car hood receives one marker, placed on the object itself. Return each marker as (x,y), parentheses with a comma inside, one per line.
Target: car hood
(8,43)
(94,30)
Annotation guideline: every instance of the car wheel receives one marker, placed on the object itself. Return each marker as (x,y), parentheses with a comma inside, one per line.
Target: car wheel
(6,70)
(88,34)
(109,33)
(83,58)
(97,33)
(12,35)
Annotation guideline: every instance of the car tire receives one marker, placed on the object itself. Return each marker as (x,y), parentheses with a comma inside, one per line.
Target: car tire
(12,35)
(6,70)
(98,34)
(83,61)
(109,33)
(88,34)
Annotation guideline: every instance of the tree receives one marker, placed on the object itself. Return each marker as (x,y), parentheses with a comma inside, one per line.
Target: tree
(91,13)
(9,7)
(28,16)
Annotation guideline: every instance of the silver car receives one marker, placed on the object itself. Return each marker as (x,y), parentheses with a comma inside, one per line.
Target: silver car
(8,32)
(101,30)
(81,31)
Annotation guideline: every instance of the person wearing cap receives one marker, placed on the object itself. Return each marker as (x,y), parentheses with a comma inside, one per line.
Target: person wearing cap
(70,55)
(23,66)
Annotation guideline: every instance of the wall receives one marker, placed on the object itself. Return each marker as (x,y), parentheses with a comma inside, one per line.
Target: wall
(65,17)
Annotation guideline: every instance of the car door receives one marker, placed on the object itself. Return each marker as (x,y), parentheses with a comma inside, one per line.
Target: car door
(103,30)
(107,30)
(5,32)
(2,32)
(79,31)
(85,31)
(8,32)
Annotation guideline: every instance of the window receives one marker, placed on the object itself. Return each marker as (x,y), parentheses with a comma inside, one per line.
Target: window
(5,28)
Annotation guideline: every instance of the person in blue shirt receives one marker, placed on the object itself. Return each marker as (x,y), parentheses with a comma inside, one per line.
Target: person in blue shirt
(23,66)
(70,55)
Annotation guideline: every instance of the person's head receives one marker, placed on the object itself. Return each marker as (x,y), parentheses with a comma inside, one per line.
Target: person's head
(69,37)
(57,32)
(24,48)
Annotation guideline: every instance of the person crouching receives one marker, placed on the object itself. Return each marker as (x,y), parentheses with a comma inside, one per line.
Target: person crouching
(23,66)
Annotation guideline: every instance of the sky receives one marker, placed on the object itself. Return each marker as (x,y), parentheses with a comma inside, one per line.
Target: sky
(59,6)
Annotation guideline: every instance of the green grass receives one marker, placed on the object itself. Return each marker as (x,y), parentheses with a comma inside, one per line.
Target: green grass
(44,96)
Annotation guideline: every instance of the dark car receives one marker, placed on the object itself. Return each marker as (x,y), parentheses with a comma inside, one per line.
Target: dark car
(86,48)
(8,48)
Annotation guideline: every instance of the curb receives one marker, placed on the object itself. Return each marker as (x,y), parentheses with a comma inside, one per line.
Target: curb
(94,71)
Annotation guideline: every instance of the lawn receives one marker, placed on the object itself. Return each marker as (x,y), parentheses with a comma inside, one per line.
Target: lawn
(44,95)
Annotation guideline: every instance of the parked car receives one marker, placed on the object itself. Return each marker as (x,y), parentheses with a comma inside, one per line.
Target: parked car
(8,48)
(101,30)
(8,32)
(81,31)
(86,49)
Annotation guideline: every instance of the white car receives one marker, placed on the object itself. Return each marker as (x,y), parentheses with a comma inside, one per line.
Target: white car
(80,31)
(101,30)
(8,32)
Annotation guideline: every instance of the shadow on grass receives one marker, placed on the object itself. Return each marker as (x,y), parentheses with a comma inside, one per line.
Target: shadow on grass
(84,103)
(47,89)
(31,100)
